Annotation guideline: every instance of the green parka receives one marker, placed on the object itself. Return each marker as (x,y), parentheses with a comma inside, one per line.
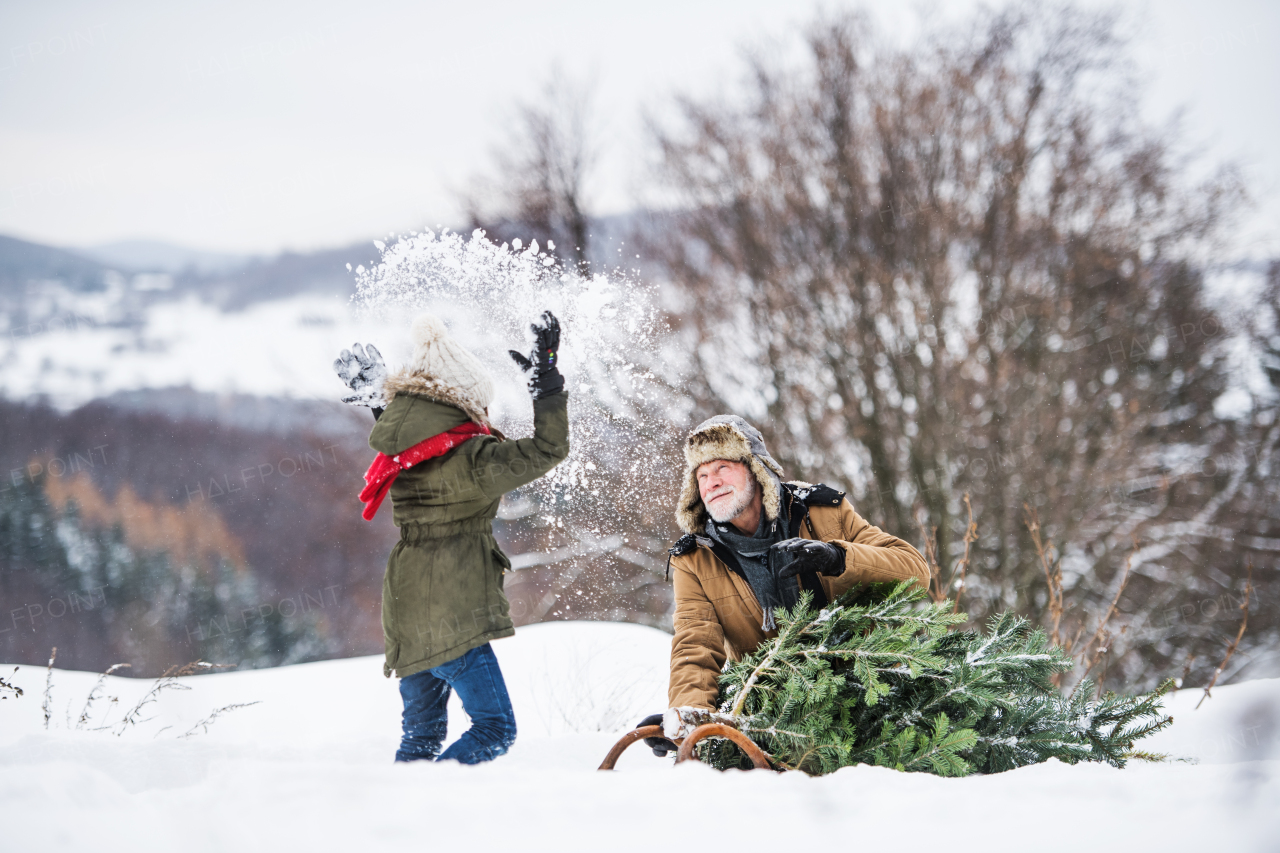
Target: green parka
(442,593)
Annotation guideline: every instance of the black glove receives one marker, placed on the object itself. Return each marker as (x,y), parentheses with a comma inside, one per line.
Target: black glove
(660,745)
(540,366)
(793,556)
(363,371)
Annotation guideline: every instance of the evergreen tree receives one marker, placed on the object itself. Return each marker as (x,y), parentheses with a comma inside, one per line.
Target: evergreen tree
(143,607)
(26,531)
(878,678)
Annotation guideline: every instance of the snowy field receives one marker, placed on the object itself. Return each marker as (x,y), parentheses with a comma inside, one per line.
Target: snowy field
(280,347)
(309,768)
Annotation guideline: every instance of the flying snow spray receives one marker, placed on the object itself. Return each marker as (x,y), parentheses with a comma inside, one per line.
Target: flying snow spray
(488,295)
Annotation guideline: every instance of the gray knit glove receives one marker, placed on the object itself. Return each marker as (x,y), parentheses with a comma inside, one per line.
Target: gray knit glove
(363,371)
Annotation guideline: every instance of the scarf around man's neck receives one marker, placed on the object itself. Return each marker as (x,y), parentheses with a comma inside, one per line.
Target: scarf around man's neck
(753,557)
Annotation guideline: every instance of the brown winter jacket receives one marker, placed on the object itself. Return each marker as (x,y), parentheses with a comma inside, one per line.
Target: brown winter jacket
(717,615)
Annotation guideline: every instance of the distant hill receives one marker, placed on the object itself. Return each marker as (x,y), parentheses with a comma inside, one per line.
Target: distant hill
(285,275)
(231,282)
(153,256)
(22,262)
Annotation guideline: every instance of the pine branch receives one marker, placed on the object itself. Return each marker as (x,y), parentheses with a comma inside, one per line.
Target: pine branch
(755,675)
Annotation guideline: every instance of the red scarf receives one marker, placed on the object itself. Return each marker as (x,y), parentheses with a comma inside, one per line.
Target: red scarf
(384,470)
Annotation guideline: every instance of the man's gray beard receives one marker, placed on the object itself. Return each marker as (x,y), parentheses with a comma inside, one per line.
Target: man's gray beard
(739,505)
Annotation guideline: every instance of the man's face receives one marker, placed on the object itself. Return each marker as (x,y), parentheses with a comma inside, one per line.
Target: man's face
(726,488)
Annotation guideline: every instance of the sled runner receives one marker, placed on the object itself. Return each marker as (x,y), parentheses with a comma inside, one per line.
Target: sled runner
(687,744)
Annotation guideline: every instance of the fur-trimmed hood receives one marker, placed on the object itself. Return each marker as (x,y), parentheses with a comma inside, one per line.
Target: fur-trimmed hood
(732,438)
(442,370)
(406,381)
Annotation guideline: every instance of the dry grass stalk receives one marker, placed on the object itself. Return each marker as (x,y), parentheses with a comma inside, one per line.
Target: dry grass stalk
(93,694)
(168,681)
(1244,623)
(13,688)
(1051,564)
(970,537)
(1052,572)
(1101,639)
(930,539)
(204,724)
(1186,671)
(938,591)
(47,707)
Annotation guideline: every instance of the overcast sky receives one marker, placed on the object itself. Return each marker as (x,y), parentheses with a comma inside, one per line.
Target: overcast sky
(254,127)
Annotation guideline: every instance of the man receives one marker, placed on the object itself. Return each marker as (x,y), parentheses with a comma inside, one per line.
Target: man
(752,543)
(446,470)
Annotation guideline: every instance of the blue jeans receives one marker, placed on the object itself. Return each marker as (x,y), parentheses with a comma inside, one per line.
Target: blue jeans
(479,683)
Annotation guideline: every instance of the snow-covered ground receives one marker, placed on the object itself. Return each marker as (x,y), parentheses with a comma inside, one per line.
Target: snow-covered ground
(309,768)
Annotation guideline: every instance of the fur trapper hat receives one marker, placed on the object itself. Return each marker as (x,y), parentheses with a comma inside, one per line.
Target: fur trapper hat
(442,370)
(726,437)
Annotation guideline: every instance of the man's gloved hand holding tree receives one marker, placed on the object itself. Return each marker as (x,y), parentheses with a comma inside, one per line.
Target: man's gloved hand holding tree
(794,556)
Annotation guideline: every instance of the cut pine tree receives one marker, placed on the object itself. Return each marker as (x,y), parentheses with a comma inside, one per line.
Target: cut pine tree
(881,678)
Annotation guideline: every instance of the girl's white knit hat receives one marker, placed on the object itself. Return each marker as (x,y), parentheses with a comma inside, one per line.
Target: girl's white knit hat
(442,369)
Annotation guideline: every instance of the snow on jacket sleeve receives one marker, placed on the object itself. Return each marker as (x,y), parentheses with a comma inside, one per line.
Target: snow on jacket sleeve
(505,465)
(697,649)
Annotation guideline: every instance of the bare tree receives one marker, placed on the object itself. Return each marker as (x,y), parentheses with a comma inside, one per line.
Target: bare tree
(963,267)
(609,562)
(542,173)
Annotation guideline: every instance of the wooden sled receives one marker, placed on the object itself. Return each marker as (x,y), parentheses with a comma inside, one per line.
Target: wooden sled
(687,744)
